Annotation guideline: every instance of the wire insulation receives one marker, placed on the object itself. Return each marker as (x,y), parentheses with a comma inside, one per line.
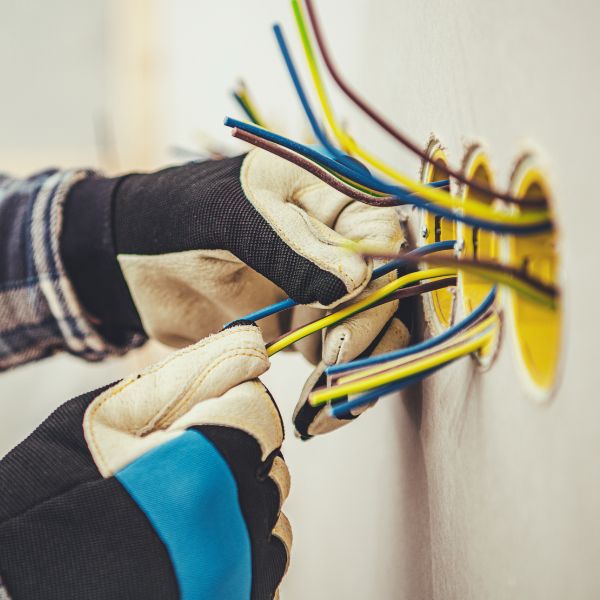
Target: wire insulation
(242,97)
(342,410)
(477,328)
(393,131)
(455,329)
(378,272)
(516,279)
(355,308)
(473,207)
(518,224)
(324,395)
(402,294)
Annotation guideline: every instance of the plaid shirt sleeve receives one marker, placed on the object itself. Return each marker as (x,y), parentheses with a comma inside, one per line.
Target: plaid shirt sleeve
(39,310)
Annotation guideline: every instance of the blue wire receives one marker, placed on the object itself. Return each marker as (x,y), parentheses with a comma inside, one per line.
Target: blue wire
(402,262)
(342,409)
(287,57)
(371,181)
(425,345)
(267,311)
(335,153)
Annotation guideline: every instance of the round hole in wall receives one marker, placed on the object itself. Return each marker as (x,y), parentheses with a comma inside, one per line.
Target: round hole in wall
(439,304)
(537,328)
(477,244)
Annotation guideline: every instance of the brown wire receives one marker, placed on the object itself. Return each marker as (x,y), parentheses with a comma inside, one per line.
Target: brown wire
(398,135)
(446,261)
(407,292)
(314,169)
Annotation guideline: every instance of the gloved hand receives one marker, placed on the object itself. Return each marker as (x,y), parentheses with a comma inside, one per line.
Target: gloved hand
(360,336)
(202,244)
(165,485)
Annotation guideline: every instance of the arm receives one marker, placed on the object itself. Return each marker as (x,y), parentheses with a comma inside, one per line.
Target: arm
(40,313)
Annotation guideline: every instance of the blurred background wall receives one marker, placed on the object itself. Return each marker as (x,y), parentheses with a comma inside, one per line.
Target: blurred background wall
(465,488)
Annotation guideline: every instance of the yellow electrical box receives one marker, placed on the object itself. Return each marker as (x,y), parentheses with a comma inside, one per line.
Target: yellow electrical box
(439,229)
(537,328)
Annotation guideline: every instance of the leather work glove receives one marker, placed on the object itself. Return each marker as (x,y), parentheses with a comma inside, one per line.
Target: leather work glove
(165,485)
(179,252)
(357,337)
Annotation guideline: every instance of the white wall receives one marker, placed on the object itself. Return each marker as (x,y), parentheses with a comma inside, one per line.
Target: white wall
(76,81)
(470,490)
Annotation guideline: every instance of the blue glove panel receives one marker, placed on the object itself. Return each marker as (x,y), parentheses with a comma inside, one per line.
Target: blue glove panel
(190,497)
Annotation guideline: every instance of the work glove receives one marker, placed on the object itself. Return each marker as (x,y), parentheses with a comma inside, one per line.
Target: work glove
(202,244)
(357,337)
(165,485)
(180,252)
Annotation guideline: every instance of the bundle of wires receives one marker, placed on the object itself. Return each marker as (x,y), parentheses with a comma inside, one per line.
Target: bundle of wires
(338,169)
(377,376)
(373,377)
(517,279)
(386,125)
(473,213)
(384,294)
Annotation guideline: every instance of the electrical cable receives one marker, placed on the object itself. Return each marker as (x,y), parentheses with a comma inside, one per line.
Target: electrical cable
(315,169)
(341,410)
(474,207)
(516,279)
(394,132)
(242,96)
(432,361)
(245,107)
(398,263)
(321,136)
(455,329)
(319,133)
(341,184)
(416,290)
(480,326)
(355,308)
(267,311)
(402,294)
(440,357)
(518,224)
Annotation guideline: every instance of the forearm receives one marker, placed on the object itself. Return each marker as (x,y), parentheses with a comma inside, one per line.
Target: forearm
(40,312)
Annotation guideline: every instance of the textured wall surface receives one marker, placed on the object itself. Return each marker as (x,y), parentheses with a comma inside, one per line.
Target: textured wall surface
(465,488)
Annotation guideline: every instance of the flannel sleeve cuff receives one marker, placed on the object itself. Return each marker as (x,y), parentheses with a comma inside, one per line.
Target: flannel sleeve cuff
(79,335)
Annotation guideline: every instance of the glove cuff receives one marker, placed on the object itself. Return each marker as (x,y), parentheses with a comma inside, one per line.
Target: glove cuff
(88,252)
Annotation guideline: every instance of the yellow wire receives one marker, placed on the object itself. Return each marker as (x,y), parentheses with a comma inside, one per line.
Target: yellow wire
(368,383)
(344,313)
(440,197)
(462,337)
(243,93)
(488,273)
(519,286)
